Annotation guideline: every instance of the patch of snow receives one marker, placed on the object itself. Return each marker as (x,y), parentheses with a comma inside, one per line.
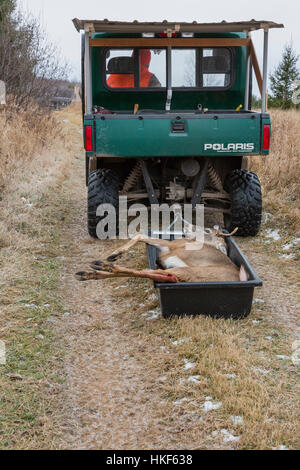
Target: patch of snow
(290,256)
(256,322)
(231,376)
(236,420)
(29,319)
(40,336)
(287,246)
(261,371)
(282,447)
(274,234)
(120,287)
(211,405)
(188,365)
(155,315)
(30,306)
(227,436)
(66,120)
(180,341)
(153,297)
(267,216)
(269,338)
(194,379)
(182,400)
(257,300)
(281,356)
(162,379)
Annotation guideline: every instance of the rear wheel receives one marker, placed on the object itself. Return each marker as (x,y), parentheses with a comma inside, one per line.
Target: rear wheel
(103,188)
(246,202)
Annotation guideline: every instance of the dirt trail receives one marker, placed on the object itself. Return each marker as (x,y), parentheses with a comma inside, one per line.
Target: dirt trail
(113,397)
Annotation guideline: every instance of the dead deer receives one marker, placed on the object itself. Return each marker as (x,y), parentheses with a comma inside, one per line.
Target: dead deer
(207,262)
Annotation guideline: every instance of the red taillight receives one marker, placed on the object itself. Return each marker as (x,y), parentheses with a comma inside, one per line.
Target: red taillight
(266,137)
(164,35)
(88,138)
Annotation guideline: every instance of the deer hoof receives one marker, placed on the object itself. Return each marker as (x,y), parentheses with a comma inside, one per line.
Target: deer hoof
(97,267)
(82,276)
(114,257)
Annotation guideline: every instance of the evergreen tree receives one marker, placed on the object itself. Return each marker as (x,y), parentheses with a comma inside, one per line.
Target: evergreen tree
(283,78)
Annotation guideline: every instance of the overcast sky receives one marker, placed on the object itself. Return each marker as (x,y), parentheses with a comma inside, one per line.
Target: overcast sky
(56,15)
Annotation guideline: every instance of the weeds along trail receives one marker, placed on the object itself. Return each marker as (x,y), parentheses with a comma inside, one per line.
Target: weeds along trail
(35,163)
(100,368)
(280,171)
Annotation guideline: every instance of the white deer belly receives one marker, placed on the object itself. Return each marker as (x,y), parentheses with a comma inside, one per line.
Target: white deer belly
(174,262)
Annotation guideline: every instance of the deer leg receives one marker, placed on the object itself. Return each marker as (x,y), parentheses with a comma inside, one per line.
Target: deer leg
(120,251)
(139,238)
(108,270)
(91,275)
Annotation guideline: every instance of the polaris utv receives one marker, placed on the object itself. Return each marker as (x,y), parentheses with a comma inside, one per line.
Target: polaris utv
(167,116)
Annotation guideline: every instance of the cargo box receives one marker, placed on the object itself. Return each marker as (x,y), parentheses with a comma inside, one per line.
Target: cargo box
(215,299)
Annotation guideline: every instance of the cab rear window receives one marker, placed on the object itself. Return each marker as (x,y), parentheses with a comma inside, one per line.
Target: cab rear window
(136,68)
(198,68)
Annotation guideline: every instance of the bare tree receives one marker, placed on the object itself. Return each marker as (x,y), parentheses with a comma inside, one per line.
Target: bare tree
(30,65)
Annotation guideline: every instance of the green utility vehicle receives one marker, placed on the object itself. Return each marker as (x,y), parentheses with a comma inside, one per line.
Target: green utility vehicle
(167,116)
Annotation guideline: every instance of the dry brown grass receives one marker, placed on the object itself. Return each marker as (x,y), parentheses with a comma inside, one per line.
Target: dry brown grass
(36,158)
(25,134)
(280,171)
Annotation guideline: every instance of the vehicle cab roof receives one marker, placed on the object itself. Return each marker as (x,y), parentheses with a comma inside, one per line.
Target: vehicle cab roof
(106,26)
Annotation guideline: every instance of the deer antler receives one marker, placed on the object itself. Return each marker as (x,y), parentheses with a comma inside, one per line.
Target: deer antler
(225,235)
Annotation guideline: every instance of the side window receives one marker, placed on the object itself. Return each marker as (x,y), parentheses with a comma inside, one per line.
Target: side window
(120,68)
(215,66)
(183,68)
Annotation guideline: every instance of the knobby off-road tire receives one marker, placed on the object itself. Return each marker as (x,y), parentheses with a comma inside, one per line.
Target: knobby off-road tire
(246,202)
(103,188)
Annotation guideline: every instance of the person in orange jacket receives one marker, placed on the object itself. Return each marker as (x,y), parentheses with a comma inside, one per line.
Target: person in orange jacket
(147,79)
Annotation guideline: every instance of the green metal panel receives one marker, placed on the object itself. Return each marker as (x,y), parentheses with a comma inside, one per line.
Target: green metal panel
(184,99)
(133,137)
